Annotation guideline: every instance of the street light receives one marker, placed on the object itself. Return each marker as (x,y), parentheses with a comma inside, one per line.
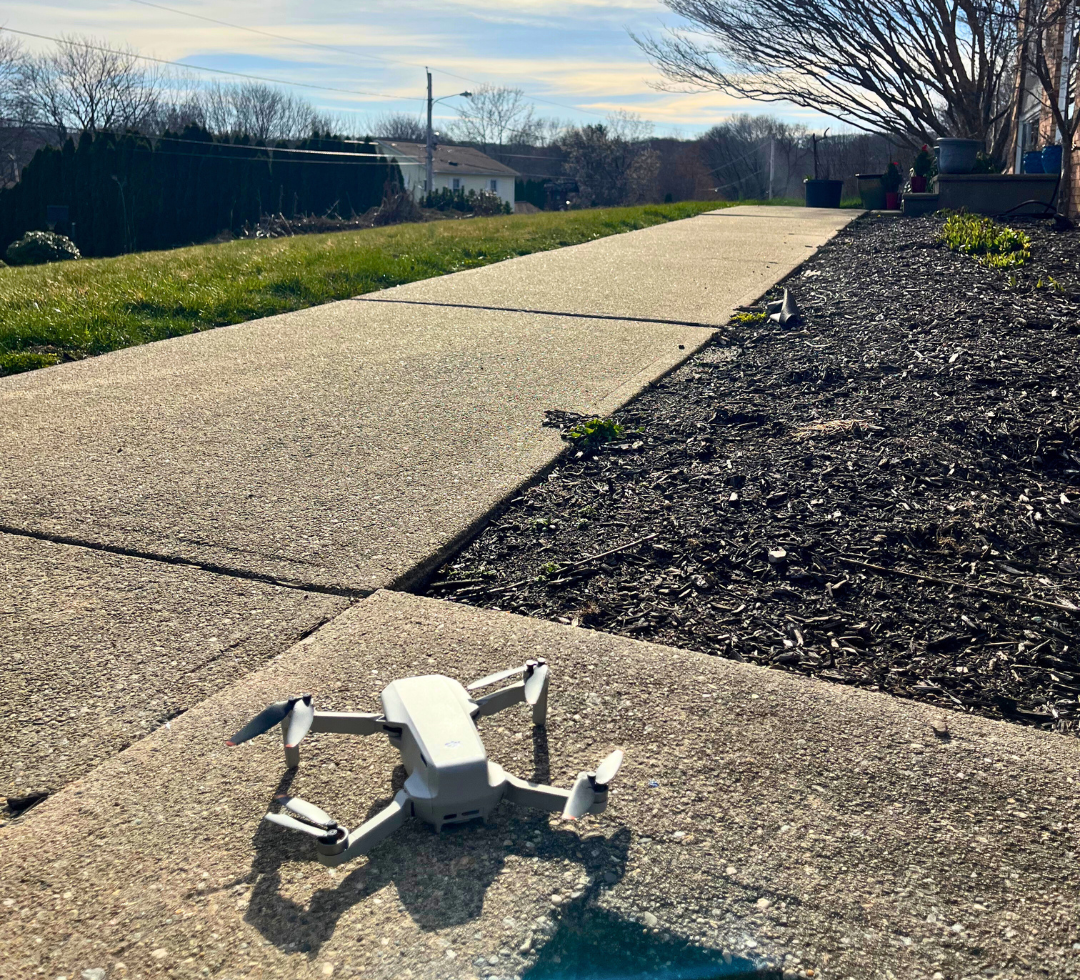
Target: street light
(430,135)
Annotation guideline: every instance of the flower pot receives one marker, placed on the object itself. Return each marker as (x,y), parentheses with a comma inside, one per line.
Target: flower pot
(918,184)
(956,156)
(823,193)
(1051,159)
(892,200)
(872,191)
(1033,162)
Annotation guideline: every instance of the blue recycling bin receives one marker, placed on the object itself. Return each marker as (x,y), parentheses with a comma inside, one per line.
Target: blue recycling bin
(1051,159)
(1033,162)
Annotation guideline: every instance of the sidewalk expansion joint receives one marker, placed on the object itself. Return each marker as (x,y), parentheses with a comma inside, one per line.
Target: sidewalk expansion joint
(514,309)
(215,569)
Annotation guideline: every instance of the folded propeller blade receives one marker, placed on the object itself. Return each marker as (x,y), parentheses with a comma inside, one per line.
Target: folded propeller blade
(493,678)
(303,714)
(263,721)
(535,684)
(608,769)
(582,796)
(284,820)
(309,811)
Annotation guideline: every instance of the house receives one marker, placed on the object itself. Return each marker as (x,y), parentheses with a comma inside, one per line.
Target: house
(1033,124)
(457,168)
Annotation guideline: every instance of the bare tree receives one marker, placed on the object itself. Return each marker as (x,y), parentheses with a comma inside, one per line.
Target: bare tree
(496,115)
(612,162)
(16,113)
(917,70)
(82,85)
(738,155)
(398,126)
(1048,55)
(257,110)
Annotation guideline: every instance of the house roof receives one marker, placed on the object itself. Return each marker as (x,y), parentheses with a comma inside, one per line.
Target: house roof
(449,159)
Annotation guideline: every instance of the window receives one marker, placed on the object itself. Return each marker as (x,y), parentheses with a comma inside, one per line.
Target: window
(457,183)
(494,187)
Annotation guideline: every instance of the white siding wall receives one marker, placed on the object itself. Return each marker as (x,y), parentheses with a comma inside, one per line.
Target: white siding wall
(479,182)
(414,175)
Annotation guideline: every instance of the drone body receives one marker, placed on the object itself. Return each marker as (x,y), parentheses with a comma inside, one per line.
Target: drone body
(431,721)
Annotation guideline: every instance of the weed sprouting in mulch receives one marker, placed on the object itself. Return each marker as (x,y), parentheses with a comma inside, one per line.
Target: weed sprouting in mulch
(886,496)
(996,246)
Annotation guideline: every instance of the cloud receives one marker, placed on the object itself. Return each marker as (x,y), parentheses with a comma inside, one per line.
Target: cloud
(582,58)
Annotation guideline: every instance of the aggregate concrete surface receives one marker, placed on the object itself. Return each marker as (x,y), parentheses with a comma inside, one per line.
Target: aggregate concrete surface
(338,447)
(100,649)
(697,270)
(778,819)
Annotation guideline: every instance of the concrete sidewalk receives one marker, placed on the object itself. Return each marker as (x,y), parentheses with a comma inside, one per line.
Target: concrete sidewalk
(770,817)
(693,271)
(101,649)
(340,447)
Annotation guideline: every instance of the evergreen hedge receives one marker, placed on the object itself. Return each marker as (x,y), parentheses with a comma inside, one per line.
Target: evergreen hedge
(128,192)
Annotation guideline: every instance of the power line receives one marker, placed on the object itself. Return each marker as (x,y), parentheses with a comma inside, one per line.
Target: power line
(279,37)
(355,54)
(356,157)
(216,71)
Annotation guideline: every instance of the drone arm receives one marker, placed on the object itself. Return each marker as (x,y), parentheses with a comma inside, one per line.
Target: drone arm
(372,832)
(347,723)
(507,697)
(535,795)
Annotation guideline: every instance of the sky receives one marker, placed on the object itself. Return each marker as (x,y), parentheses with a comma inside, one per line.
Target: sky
(577,53)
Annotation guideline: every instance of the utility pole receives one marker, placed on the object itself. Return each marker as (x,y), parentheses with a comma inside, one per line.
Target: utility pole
(1065,69)
(430,135)
(430,188)
(772,164)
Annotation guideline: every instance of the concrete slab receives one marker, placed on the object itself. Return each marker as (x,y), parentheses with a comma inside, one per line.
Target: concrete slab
(765,815)
(693,271)
(100,649)
(336,447)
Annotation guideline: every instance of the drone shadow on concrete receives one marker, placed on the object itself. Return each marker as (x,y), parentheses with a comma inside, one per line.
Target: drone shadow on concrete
(441,878)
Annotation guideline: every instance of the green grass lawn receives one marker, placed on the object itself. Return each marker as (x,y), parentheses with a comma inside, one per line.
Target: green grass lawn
(72,310)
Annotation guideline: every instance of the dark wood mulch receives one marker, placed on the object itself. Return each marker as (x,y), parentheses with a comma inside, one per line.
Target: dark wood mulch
(831,498)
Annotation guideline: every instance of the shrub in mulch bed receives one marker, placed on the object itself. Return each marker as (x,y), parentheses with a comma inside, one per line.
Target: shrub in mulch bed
(887,496)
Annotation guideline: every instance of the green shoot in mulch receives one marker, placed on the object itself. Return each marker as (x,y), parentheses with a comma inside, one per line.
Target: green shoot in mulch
(592,432)
(70,310)
(996,246)
(749,319)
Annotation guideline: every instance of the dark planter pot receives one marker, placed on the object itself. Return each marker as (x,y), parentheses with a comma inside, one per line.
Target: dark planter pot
(872,191)
(823,193)
(892,200)
(957,156)
(1033,162)
(1051,159)
(918,184)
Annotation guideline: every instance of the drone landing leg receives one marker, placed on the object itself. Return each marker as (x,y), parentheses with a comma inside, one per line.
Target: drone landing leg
(348,723)
(501,700)
(375,830)
(535,795)
(292,755)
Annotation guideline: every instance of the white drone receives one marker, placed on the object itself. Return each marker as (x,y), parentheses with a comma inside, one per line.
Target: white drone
(431,721)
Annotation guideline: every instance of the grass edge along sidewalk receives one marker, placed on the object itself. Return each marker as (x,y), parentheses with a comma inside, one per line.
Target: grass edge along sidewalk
(71,310)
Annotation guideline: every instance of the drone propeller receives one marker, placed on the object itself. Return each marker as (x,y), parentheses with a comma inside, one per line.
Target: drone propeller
(589,785)
(303,714)
(291,823)
(536,683)
(308,811)
(274,715)
(608,769)
(499,676)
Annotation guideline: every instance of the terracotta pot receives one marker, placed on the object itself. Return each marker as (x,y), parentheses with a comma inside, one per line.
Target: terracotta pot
(892,200)
(918,184)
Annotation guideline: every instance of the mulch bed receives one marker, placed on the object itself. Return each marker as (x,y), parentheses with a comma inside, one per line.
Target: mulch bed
(885,495)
